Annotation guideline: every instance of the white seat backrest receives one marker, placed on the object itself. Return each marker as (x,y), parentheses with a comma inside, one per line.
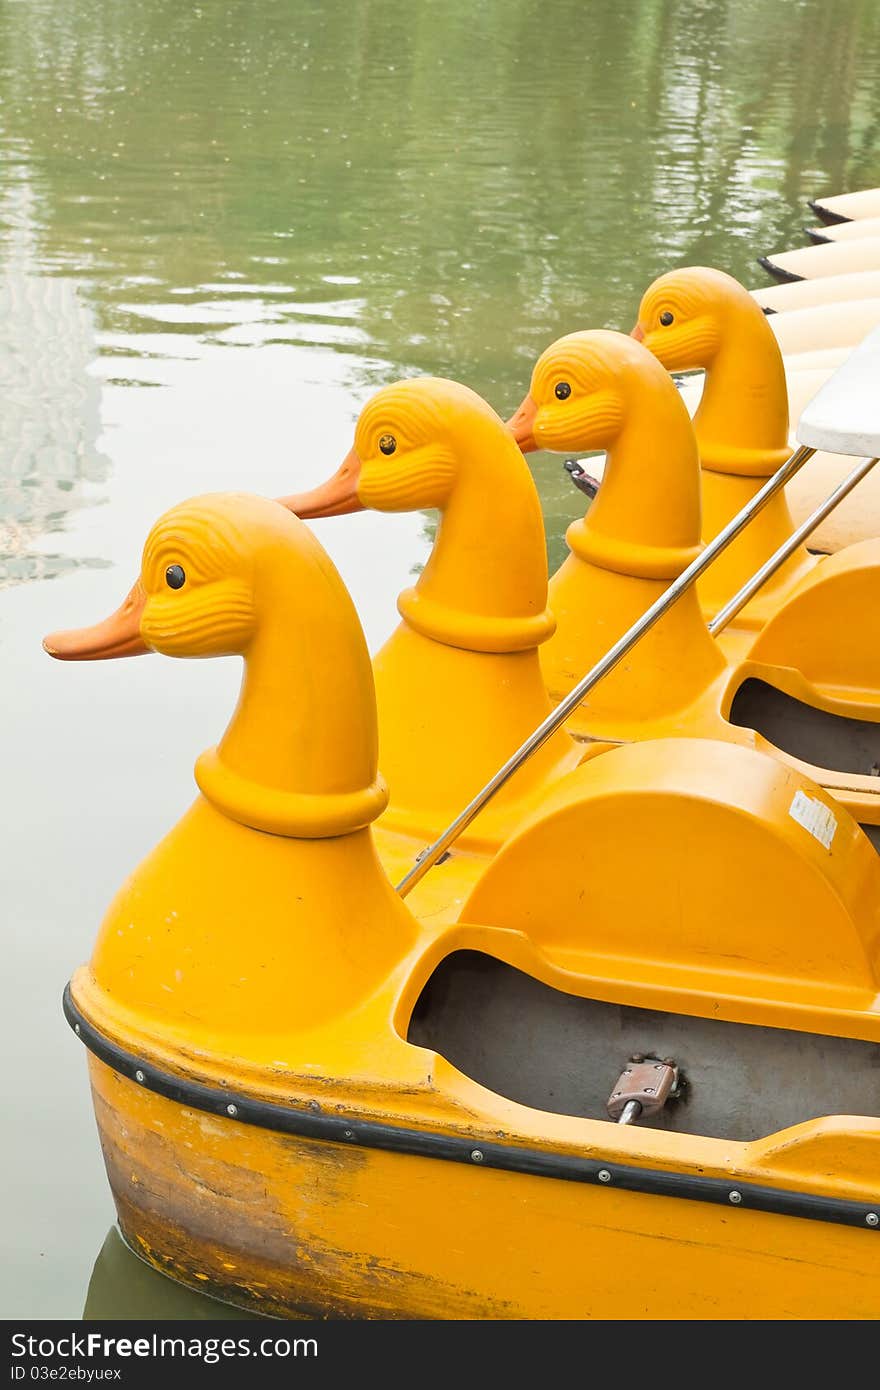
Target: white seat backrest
(844,415)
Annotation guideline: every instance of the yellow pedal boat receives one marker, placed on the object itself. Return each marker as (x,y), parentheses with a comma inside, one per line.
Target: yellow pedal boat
(636,1073)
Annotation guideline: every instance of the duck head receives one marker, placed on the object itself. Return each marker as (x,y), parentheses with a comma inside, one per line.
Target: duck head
(601,390)
(576,399)
(683,316)
(405,454)
(232,574)
(433,443)
(195,595)
(698,317)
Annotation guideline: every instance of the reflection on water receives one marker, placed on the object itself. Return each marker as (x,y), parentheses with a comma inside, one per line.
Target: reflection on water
(49,415)
(441,188)
(122,1287)
(221,225)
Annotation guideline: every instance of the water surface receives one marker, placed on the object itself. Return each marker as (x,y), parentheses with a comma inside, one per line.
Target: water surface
(221,226)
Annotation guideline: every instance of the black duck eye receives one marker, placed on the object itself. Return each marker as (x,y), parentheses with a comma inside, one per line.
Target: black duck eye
(562,391)
(387,444)
(175,576)
(666,318)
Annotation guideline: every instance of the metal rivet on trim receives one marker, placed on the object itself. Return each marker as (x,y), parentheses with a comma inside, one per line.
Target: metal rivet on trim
(735,1197)
(872,1219)
(603,1175)
(349,1133)
(477,1155)
(76,1029)
(139,1076)
(314,1106)
(232,1110)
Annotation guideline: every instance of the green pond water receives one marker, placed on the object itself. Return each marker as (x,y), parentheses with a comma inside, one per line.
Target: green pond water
(221,227)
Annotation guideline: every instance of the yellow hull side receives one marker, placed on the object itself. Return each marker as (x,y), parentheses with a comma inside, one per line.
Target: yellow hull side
(298,1227)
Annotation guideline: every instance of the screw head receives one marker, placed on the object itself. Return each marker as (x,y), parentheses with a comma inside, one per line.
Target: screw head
(139,1076)
(735,1197)
(477,1155)
(349,1133)
(649,1090)
(872,1219)
(603,1175)
(232,1110)
(76,1029)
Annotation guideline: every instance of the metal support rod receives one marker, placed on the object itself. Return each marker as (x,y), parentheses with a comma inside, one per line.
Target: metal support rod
(428,858)
(788,547)
(630,1113)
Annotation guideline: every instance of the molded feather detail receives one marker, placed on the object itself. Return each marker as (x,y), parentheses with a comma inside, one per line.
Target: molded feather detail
(214,619)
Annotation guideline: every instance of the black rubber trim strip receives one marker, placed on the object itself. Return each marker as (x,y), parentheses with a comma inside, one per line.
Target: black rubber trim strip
(785,277)
(312,1124)
(816,234)
(825,214)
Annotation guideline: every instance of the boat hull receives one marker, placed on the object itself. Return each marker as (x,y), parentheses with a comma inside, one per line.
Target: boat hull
(296,1226)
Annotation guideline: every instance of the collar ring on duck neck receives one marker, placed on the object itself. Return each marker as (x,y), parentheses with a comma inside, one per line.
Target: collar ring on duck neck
(742,463)
(633,558)
(297,815)
(474,632)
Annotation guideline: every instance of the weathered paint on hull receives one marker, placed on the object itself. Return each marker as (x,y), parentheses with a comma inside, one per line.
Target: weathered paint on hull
(296,1227)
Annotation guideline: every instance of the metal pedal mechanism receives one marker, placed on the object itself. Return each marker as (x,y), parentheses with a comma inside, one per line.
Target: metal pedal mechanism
(581,478)
(643,1088)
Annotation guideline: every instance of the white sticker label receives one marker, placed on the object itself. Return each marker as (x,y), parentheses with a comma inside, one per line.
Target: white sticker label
(814,816)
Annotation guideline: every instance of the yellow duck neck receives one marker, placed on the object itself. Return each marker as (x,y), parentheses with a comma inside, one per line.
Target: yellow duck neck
(265,911)
(641,532)
(484,587)
(645,521)
(289,766)
(459,684)
(741,426)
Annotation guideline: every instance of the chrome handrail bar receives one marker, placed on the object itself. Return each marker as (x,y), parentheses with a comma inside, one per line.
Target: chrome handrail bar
(788,547)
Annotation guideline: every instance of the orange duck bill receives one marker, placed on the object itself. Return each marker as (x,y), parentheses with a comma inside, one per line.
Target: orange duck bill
(638,333)
(337,497)
(118,635)
(522,425)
